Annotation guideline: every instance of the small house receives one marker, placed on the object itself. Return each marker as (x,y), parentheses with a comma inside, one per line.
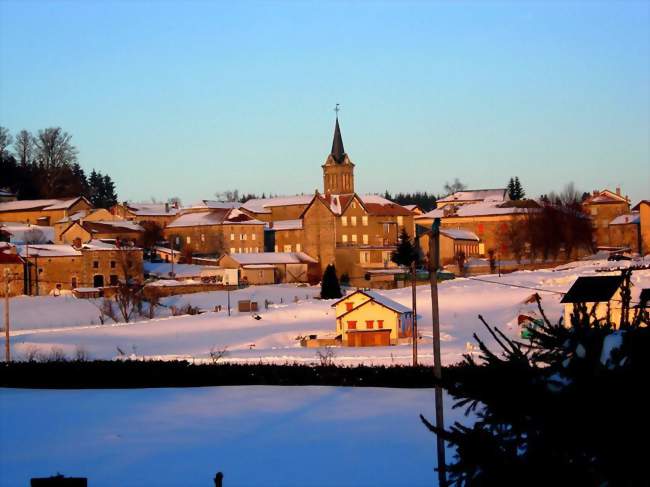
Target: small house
(602,294)
(366,318)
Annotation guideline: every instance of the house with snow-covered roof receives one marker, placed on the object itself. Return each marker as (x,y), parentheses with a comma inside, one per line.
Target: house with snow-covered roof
(41,212)
(159,213)
(215,231)
(270,267)
(603,207)
(367,318)
(464,197)
(600,296)
(643,207)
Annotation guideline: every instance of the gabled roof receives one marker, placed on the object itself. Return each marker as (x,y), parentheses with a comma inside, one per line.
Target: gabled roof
(637,207)
(272,258)
(459,234)
(633,218)
(482,208)
(43,204)
(217,216)
(377,298)
(605,197)
(500,194)
(262,205)
(593,289)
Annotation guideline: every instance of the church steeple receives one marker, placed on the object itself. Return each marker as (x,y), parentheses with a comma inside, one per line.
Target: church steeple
(338,152)
(338,170)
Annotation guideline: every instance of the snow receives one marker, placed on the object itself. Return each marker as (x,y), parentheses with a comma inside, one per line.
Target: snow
(212,217)
(626,219)
(262,205)
(48,250)
(44,204)
(612,342)
(18,230)
(459,234)
(482,208)
(255,435)
(476,195)
(68,323)
(385,301)
(287,225)
(127,224)
(272,258)
(162,269)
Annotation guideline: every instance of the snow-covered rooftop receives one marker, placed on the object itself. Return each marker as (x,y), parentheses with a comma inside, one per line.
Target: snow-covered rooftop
(44,204)
(213,217)
(483,208)
(48,250)
(459,234)
(273,258)
(152,209)
(378,298)
(625,219)
(19,232)
(262,205)
(499,194)
(286,225)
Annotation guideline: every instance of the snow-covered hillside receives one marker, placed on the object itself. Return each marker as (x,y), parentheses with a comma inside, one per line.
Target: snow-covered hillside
(69,324)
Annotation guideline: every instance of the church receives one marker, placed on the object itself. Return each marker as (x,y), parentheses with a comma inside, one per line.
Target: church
(338,226)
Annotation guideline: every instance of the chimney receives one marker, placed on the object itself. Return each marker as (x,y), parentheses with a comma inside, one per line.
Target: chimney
(166,207)
(618,191)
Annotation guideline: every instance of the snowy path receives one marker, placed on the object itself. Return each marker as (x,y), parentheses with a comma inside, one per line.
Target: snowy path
(272,436)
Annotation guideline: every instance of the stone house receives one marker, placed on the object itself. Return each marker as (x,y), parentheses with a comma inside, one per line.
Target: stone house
(270,267)
(42,212)
(159,213)
(12,262)
(624,232)
(366,318)
(603,207)
(216,231)
(84,231)
(98,214)
(643,207)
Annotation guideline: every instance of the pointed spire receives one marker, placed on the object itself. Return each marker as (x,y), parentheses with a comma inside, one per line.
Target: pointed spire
(338,152)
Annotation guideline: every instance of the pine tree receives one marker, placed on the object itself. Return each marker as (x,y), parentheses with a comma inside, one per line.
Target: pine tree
(510,188)
(519,190)
(406,253)
(561,407)
(109,197)
(95,190)
(330,288)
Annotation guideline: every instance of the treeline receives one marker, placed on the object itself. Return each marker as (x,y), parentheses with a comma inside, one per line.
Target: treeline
(45,165)
(425,200)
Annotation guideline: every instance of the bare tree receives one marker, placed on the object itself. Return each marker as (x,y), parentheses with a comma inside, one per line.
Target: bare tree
(34,236)
(5,142)
(454,187)
(24,147)
(228,195)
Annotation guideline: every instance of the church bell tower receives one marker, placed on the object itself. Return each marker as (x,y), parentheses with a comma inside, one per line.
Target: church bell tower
(338,170)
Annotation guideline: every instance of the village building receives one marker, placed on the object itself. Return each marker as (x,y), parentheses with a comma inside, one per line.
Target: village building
(643,208)
(270,267)
(215,231)
(488,220)
(13,264)
(58,267)
(367,318)
(469,196)
(600,294)
(624,232)
(97,214)
(21,233)
(416,210)
(603,207)
(453,243)
(41,212)
(119,231)
(160,213)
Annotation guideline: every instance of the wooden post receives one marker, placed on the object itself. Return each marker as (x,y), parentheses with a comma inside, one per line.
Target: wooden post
(434,260)
(7,344)
(218,480)
(414,326)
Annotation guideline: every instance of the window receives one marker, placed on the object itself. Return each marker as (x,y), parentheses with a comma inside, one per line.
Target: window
(354,237)
(353,221)
(287,248)
(380,323)
(112,264)
(113,280)
(74,283)
(365,238)
(386,227)
(232,236)
(344,238)
(344,221)
(253,237)
(178,240)
(364,257)
(203,237)
(298,247)
(276,248)
(188,240)
(352,325)
(349,306)
(594,211)
(385,257)
(95,264)
(354,204)
(400,220)
(370,324)
(364,221)
(233,250)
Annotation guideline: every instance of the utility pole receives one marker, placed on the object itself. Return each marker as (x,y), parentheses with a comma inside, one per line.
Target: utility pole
(434,263)
(7,345)
(36,273)
(171,245)
(415,313)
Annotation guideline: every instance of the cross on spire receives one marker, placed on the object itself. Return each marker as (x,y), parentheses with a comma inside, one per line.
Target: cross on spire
(337,110)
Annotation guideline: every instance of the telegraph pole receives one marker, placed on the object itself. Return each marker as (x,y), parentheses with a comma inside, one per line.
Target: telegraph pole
(434,263)
(415,313)
(7,345)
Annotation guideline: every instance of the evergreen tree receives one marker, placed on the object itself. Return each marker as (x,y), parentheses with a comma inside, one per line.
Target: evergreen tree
(519,190)
(109,197)
(406,252)
(330,288)
(95,188)
(562,408)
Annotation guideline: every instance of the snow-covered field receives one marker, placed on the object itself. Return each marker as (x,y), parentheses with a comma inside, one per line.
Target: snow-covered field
(69,324)
(271,436)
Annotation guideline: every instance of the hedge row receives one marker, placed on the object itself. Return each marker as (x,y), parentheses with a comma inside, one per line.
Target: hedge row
(137,374)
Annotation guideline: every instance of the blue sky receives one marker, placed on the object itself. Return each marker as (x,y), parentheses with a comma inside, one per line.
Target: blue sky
(189,98)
